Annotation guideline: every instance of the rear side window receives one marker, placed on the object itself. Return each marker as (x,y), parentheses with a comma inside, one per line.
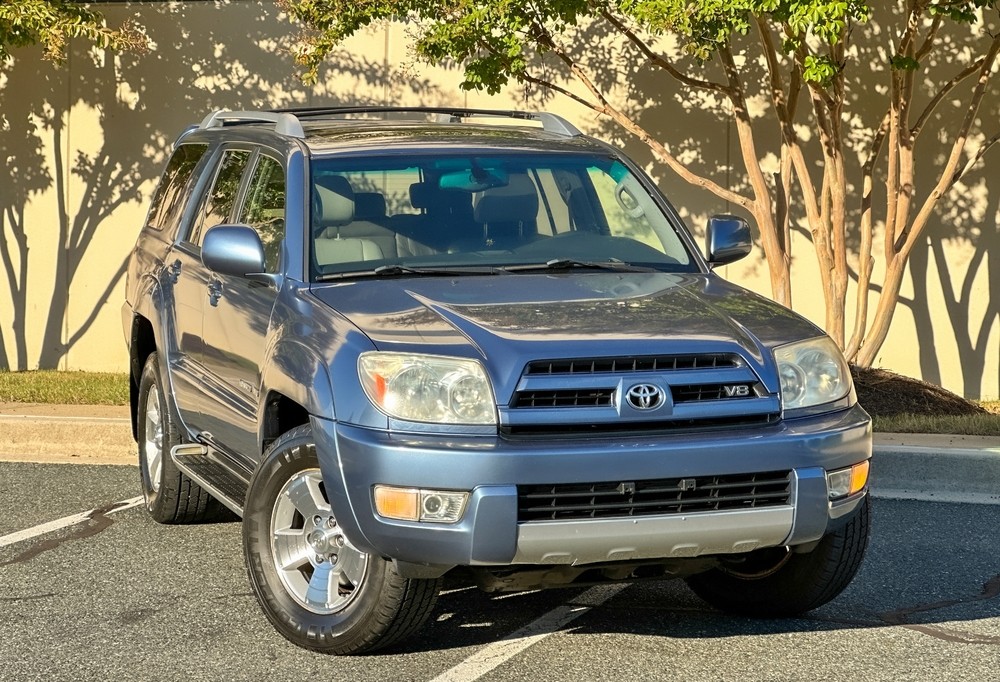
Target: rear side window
(221,200)
(171,194)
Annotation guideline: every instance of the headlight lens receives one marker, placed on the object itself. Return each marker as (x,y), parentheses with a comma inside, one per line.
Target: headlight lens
(427,388)
(812,372)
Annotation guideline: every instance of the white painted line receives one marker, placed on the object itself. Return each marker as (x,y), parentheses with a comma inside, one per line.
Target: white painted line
(495,654)
(65,522)
(932,496)
(50,418)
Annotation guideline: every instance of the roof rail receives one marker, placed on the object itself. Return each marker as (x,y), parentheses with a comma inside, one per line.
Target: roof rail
(284,123)
(551,123)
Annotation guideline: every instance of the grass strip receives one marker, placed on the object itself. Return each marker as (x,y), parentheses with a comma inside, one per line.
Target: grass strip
(966,424)
(67,388)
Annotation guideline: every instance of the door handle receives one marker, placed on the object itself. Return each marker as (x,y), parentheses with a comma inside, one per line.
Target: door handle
(214,292)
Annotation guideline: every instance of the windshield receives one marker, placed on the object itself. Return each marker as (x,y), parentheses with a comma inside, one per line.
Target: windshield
(504,213)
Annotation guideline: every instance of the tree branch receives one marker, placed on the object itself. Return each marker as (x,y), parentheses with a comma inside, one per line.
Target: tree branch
(865,261)
(660,61)
(626,122)
(928,44)
(942,93)
(909,236)
(960,173)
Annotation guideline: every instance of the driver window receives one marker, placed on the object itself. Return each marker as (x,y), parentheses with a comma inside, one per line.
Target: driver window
(631,213)
(264,208)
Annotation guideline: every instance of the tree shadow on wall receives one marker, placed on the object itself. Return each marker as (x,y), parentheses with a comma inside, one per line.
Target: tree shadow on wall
(971,332)
(695,127)
(60,187)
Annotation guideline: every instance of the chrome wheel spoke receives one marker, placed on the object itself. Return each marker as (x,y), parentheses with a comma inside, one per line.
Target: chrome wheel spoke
(306,496)
(291,551)
(323,590)
(153,438)
(154,463)
(351,565)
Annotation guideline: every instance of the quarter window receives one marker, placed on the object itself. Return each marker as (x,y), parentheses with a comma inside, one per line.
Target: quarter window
(171,194)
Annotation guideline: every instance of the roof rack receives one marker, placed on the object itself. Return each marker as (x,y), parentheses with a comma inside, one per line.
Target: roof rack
(284,123)
(551,123)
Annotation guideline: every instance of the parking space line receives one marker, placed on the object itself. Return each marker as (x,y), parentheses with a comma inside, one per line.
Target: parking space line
(65,522)
(495,654)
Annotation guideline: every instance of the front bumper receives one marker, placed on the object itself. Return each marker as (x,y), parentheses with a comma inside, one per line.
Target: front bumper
(354,460)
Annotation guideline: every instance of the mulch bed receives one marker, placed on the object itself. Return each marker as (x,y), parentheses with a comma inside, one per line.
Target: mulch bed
(887,394)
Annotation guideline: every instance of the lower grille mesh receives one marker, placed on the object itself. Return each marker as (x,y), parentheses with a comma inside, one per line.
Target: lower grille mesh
(652,497)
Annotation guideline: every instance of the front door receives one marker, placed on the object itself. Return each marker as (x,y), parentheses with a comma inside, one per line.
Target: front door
(237,317)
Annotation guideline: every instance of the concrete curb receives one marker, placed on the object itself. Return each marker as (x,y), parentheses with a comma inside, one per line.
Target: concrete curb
(970,475)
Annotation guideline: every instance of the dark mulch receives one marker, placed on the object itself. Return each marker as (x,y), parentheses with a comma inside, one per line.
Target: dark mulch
(885,394)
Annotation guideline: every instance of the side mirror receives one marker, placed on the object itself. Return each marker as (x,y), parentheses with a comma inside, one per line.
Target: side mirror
(234,250)
(727,239)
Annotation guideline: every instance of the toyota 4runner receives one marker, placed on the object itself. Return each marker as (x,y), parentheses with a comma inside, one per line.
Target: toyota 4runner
(399,343)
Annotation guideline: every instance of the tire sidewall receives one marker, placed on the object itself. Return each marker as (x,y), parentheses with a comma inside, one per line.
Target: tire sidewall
(801,583)
(289,455)
(151,378)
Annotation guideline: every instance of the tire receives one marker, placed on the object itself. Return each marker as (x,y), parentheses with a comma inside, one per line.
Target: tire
(777,583)
(171,497)
(295,554)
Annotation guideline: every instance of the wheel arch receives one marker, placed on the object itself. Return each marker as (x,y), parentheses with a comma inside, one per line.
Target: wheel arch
(295,384)
(142,344)
(280,415)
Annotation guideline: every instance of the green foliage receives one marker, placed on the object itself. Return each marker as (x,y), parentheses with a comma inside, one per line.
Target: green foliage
(963,12)
(52,23)
(496,39)
(904,63)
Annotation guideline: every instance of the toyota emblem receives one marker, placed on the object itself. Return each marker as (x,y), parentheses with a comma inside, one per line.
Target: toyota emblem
(645,396)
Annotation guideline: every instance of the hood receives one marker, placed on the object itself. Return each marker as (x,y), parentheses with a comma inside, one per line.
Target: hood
(508,320)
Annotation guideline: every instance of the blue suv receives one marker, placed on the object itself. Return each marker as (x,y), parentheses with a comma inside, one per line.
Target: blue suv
(400,342)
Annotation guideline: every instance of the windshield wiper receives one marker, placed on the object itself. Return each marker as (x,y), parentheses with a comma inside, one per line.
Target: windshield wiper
(395,270)
(569,263)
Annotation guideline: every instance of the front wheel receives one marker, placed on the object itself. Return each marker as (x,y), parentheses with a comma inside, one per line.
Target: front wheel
(777,582)
(317,589)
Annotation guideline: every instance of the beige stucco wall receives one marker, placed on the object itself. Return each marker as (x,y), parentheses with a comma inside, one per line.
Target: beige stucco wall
(86,140)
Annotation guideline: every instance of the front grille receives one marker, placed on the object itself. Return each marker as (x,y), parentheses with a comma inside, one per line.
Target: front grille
(653,497)
(598,397)
(628,365)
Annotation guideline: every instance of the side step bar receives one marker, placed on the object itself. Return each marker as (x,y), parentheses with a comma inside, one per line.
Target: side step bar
(224,484)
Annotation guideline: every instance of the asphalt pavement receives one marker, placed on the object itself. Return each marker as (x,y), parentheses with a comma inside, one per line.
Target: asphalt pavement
(92,589)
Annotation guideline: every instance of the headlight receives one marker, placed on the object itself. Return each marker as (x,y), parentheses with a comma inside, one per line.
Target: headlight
(812,372)
(427,388)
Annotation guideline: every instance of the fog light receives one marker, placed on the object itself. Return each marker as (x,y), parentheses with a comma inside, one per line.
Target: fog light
(411,504)
(442,507)
(849,481)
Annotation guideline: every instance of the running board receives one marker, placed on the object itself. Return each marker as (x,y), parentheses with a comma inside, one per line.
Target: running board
(196,461)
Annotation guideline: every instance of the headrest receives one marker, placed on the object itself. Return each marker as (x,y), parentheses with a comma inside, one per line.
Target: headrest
(368,205)
(440,202)
(336,201)
(515,202)
(422,194)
